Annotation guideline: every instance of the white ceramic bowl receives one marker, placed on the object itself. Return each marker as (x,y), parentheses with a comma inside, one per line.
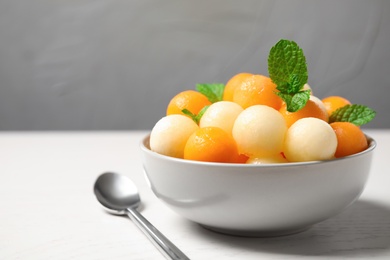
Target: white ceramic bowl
(257,200)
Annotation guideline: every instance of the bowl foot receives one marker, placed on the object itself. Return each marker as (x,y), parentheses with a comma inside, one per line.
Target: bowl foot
(257,233)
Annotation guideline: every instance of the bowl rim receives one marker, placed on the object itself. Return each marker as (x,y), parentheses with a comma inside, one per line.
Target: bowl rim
(144,145)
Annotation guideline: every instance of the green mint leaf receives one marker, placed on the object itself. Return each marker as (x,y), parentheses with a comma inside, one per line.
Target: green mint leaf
(200,114)
(284,88)
(193,116)
(295,84)
(288,70)
(286,97)
(298,101)
(291,87)
(355,114)
(295,102)
(213,92)
(190,114)
(286,59)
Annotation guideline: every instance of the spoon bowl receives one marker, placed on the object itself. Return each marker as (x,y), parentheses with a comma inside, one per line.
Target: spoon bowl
(119,195)
(116,193)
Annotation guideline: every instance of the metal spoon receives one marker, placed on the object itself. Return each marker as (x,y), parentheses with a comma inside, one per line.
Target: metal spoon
(119,195)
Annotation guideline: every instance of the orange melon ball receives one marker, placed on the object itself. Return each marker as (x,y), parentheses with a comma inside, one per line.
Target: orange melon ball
(232,84)
(350,139)
(313,108)
(211,144)
(257,90)
(332,103)
(191,100)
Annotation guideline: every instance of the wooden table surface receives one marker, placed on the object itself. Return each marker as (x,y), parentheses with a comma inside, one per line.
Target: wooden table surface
(48,209)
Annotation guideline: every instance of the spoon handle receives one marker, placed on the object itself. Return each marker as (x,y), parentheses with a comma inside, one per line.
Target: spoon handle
(169,250)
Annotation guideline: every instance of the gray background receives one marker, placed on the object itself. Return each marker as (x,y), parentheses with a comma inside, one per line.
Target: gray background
(115,64)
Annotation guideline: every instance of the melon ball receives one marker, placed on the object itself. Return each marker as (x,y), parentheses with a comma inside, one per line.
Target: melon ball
(170,134)
(307,87)
(310,139)
(259,130)
(321,105)
(276,158)
(221,114)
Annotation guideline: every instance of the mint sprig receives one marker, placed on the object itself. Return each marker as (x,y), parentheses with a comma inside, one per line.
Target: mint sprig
(296,101)
(355,114)
(195,117)
(213,91)
(288,70)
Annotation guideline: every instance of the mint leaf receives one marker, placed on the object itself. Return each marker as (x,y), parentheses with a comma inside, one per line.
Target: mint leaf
(286,97)
(295,84)
(286,59)
(189,113)
(355,114)
(288,70)
(213,92)
(299,100)
(193,116)
(285,88)
(291,87)
(295,101)
(200,114)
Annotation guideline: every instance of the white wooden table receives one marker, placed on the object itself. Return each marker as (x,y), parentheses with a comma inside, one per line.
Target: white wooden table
(48,209)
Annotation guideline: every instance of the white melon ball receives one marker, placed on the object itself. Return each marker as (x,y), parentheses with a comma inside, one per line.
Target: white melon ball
(259,130)
(276,158)
(310,139)
(221,114)
(170,134)
(307,87)
(320,104)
